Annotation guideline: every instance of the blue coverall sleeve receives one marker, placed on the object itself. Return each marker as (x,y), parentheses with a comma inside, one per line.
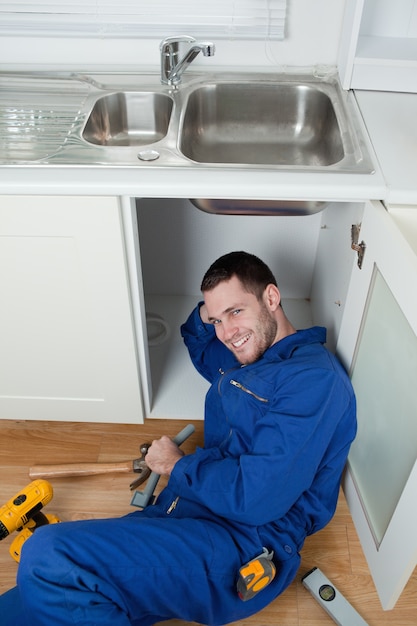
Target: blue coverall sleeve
(207,353)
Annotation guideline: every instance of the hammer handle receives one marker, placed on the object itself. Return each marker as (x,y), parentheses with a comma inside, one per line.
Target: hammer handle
(78,469)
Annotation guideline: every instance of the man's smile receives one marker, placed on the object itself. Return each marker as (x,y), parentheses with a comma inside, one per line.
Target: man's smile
(240,342)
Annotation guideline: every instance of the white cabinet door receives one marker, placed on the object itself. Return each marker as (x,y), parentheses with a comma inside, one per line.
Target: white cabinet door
(67,345)
(378,344)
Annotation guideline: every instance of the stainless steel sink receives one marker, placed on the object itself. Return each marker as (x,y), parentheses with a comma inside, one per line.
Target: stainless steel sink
(129,119)
(295,122)
(261,124)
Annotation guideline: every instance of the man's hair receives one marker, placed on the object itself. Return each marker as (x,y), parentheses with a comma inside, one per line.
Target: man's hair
(253,273)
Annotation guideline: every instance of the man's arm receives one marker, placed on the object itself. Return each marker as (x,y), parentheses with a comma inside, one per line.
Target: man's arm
(207,353)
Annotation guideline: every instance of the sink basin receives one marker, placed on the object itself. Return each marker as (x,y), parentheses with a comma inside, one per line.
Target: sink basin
(282,124)
(129,119)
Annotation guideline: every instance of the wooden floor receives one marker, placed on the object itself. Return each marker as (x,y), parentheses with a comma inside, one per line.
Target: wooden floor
(335,550)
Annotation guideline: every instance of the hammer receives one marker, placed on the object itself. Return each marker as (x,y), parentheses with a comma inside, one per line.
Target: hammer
(138,466)
(64,470)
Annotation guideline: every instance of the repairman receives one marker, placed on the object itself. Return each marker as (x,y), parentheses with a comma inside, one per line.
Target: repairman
(279,420)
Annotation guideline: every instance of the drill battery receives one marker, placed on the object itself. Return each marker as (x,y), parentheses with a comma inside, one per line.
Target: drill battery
(255,575)
(17,512)
(39,519)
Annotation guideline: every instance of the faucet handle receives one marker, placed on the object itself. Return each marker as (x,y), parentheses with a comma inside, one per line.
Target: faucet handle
(169,49)
(172,43)
(172,67)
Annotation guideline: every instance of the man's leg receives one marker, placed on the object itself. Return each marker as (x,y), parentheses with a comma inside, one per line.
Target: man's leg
(11,609)
(132,570)
(138,570)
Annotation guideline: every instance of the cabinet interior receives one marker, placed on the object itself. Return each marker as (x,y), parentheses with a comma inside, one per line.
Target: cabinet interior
(310,255)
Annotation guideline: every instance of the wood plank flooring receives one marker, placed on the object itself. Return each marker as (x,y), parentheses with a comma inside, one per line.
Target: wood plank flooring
(335,550)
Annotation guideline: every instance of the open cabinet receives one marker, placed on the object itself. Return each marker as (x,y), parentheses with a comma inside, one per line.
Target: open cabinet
(310,256)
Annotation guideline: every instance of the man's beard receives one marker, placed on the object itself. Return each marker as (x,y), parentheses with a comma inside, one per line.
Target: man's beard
(263,336)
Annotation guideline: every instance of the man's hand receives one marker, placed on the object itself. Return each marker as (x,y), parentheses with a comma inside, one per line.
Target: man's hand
(162,455)
(204,314)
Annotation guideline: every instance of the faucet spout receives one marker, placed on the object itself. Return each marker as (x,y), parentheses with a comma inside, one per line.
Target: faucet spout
(172,66)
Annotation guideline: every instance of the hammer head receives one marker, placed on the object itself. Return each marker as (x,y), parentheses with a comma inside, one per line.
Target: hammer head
(140,467)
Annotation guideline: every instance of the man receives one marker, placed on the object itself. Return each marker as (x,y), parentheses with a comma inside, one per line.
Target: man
(279,421)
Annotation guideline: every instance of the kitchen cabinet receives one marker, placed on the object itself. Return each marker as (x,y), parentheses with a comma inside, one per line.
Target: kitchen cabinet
(378,47)
(378,344)
(94,291)
(310,255)
(68,348)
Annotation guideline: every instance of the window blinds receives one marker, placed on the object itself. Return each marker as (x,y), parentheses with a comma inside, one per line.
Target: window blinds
(231,19)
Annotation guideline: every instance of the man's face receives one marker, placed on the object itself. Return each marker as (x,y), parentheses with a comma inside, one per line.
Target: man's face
(244,324)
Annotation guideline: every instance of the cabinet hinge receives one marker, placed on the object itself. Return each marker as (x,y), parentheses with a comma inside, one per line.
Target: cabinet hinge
(357,247)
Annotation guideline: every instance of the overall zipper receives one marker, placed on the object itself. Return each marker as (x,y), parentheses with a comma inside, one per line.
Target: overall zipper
(235,383)
(173,505)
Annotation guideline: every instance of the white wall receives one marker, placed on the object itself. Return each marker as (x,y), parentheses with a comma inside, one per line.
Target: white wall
(313,33)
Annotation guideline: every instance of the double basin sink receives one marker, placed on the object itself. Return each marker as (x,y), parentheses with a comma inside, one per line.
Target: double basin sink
(294,122)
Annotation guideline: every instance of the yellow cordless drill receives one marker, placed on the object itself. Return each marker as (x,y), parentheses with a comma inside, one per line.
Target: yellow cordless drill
(22,513)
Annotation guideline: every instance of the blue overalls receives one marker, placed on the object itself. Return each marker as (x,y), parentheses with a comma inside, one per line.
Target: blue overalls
(277,434)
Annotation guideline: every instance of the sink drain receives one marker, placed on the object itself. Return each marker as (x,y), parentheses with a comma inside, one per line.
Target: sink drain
(148,155)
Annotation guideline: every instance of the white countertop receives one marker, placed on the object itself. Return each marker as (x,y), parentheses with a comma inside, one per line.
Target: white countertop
(391,121)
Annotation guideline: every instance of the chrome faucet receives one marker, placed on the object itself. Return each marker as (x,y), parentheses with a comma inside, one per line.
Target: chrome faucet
(172,67)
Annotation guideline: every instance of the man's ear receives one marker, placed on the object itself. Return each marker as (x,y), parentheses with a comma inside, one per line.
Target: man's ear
(272,297)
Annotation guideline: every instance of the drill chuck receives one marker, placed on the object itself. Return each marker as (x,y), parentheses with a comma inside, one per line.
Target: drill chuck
(17,512)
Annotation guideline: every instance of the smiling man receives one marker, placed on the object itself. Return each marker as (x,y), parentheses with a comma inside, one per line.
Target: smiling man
(250,323)
(279,421)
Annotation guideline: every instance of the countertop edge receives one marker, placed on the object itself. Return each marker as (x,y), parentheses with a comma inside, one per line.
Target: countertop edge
(199,183)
